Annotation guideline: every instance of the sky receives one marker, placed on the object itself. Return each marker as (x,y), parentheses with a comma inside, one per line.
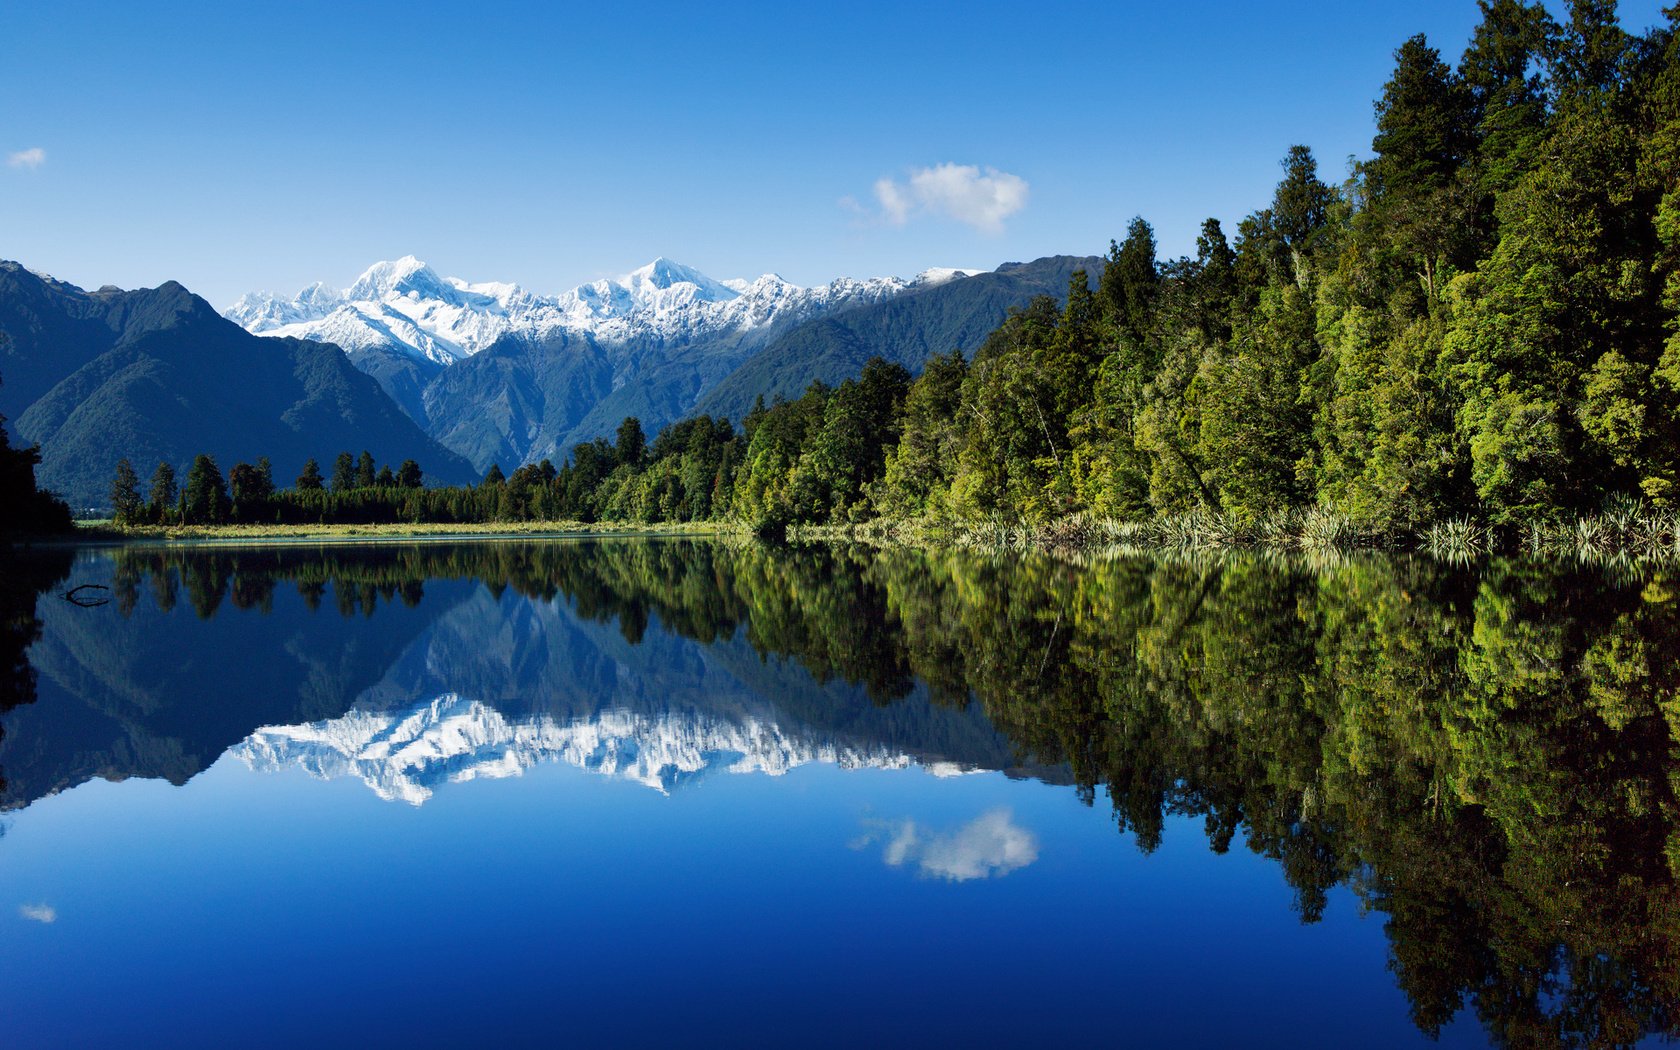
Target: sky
(238,147)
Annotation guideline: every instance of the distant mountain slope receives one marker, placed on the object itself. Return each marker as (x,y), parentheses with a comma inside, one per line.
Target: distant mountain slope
(157,374)
(515,401)
(956,314)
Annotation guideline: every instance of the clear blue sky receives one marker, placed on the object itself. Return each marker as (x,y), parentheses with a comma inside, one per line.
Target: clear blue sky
(235,146)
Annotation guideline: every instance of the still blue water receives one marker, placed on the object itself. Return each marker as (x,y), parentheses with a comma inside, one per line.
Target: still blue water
(500,801)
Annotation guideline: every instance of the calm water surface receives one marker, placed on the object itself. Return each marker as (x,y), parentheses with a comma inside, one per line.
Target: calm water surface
(649,792)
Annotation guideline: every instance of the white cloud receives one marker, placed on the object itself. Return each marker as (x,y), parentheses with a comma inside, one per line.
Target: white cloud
(39,913)
(30,158)
(980,197)
(989,846)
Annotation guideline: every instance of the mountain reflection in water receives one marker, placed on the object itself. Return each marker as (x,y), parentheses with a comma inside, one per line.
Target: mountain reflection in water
(1486,756)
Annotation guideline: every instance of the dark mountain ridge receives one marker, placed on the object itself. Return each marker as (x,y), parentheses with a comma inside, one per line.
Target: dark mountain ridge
(905,330)
(158,375)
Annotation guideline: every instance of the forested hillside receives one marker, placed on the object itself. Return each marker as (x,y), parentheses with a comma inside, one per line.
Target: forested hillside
(1479,320)
(156,375)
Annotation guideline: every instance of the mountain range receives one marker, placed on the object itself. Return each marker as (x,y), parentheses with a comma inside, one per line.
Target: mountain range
(455,375)
(502,375)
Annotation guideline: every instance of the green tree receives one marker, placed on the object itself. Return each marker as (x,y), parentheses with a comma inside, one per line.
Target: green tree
(248,486)
(1500,71)
(631,441)
(162,493)
(205,498)
(1130,282)
(310,479)
(365,474)
(1425,133)
(408,475)
(125,494)
(1300,208)
(344,473)
(916,478)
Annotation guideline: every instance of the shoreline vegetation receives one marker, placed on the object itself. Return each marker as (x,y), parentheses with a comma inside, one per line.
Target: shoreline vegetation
(1628,535)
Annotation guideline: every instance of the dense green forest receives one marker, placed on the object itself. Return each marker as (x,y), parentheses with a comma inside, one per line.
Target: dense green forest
(1480,321)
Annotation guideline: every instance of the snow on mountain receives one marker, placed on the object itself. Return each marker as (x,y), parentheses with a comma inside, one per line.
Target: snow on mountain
(405,305)
(406,754)
(941,275)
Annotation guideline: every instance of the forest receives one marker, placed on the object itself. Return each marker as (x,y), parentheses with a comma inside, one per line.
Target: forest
(1479,322)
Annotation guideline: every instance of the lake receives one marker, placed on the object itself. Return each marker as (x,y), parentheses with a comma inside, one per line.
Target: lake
(646,792)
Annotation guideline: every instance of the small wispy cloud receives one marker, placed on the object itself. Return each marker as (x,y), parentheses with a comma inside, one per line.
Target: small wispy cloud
(30,158)
(989,846)
(979,197)
(39,913)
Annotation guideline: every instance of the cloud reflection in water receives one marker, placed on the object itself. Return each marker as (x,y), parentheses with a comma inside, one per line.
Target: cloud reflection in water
(991,845)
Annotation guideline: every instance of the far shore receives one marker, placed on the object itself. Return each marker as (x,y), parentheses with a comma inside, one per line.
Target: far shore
(1624,535)
(107,533)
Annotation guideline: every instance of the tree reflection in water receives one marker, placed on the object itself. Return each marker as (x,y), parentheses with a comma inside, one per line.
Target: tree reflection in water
(1487,756)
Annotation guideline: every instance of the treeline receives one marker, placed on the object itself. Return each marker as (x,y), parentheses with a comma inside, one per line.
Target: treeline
(1481,319)
(357,492)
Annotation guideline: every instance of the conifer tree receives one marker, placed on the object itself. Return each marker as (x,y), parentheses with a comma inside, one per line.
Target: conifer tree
(125,494)
(162,493)
(344,473)
(631,441)
(205,498)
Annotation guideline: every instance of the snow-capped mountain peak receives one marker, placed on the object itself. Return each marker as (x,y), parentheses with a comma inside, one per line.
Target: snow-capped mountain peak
(405,306)
(406,277)
(662,274)
(941,275)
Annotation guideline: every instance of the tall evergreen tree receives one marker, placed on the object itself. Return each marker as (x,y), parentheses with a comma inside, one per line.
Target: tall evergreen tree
(162,493)
(631,441)
(1301,206)
(205,498)
(1423,125)
(1130,281)
(344,473)
(125,494)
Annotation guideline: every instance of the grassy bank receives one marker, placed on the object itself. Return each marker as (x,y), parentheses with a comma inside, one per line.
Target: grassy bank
(107,531)
(1631,534)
